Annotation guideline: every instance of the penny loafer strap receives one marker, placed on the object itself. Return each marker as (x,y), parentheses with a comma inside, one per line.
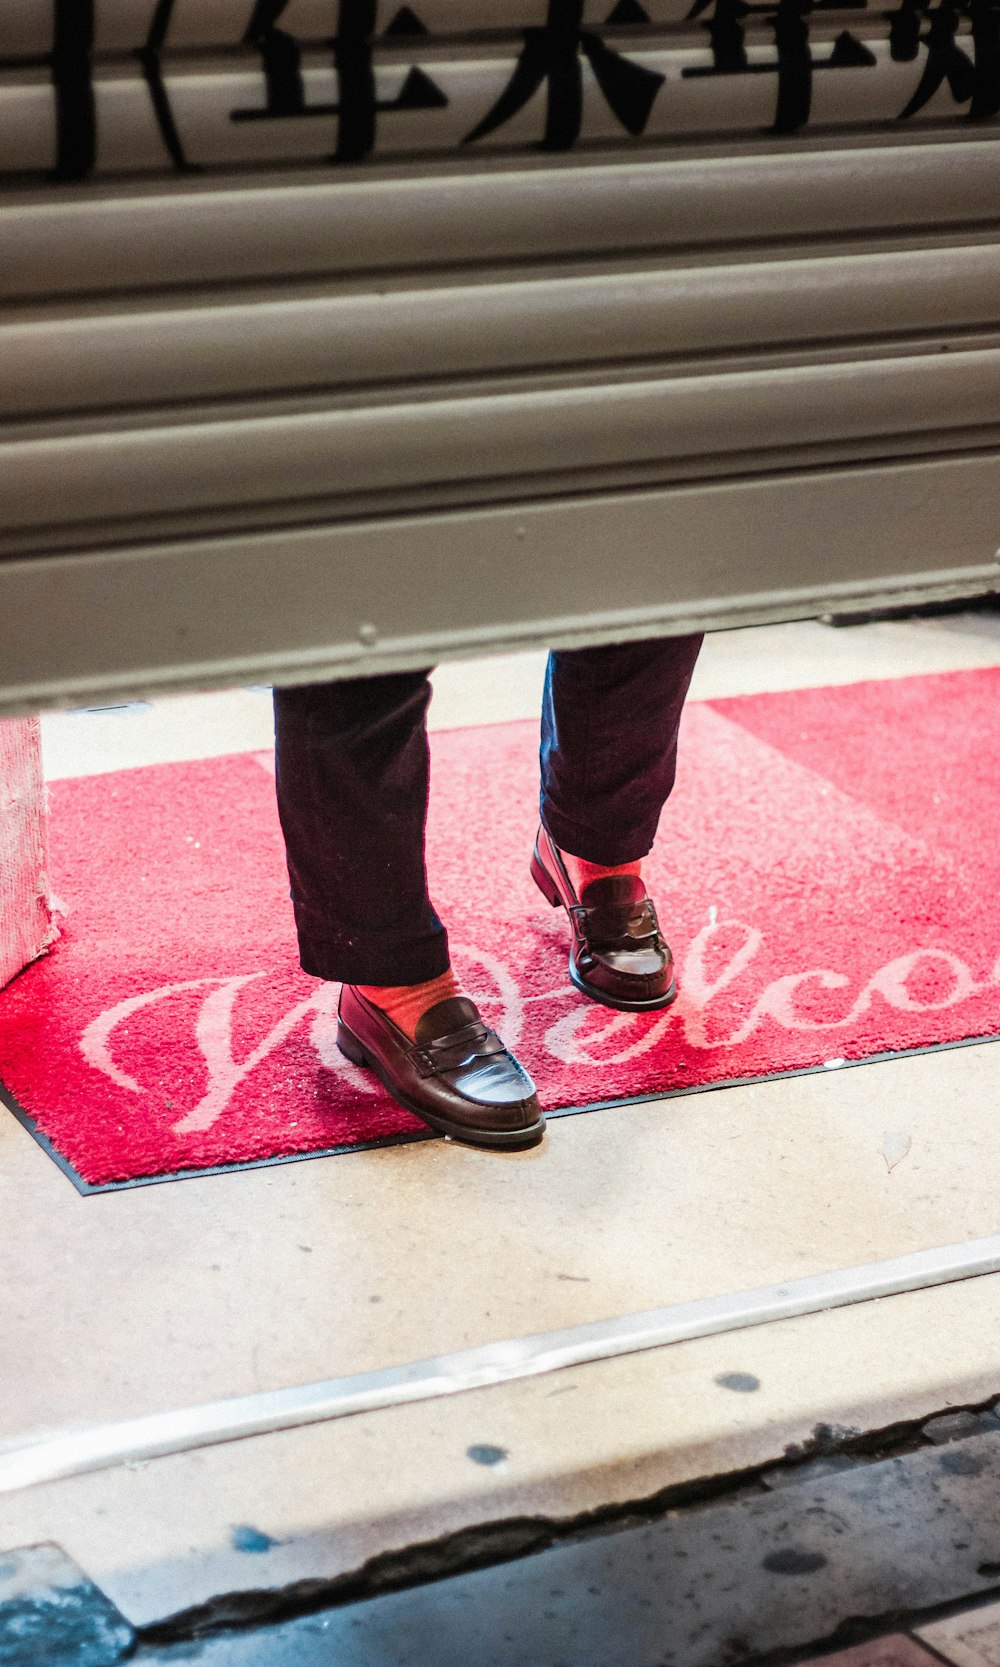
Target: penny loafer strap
(447,1053)
(617,926)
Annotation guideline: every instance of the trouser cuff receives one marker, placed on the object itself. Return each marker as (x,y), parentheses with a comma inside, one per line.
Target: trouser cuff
(580,841)
(374,959)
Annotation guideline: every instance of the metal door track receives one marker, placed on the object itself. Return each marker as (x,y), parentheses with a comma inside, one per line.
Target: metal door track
(160,1434)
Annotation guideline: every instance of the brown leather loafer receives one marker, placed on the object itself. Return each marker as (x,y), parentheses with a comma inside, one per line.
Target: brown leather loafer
(618,956)
(457,1076)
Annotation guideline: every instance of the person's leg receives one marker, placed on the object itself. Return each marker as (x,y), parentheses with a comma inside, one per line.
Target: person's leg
(352,778)
(610,720)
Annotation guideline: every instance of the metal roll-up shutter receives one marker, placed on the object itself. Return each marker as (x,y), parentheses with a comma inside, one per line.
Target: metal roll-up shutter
(339,335)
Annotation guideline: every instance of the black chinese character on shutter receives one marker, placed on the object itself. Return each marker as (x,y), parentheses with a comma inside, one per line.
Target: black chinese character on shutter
(970,80)
(73,85)
(794,65)
(358,106)
(151,59)
(552,56)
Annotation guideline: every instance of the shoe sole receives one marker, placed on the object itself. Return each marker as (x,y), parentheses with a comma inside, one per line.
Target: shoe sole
(550,891)
(650,1006)
(353,1049)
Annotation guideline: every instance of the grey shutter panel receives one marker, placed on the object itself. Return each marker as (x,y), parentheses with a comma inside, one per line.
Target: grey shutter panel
(413,355)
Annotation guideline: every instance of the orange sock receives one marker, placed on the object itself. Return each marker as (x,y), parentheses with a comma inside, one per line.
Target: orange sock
(406,1004)
(581,872)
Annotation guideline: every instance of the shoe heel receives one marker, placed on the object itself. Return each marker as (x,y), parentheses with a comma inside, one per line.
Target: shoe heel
(350,1047)
(544,881)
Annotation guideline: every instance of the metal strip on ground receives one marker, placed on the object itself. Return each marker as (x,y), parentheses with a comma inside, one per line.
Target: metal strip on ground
(160,1434)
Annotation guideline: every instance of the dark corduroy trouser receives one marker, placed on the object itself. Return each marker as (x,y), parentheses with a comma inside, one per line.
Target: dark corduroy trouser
(352,774)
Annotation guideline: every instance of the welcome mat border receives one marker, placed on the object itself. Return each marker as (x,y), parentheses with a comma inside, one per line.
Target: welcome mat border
(88,1189)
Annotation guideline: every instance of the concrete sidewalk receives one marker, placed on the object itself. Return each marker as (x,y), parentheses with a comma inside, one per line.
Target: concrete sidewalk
(167,1296)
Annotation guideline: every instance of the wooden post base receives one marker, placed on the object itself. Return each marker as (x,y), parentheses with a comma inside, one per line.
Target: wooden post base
(26,921)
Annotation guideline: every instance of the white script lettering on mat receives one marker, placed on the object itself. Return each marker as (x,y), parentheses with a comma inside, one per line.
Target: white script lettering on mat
(697,990)
(585,1036)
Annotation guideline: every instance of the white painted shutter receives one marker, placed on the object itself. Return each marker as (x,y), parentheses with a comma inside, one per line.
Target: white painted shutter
(376,334)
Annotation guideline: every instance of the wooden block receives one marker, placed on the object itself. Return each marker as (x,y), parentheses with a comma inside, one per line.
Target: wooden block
(26,923)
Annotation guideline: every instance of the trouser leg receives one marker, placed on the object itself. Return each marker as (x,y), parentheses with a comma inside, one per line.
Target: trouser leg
(352,778)
(610,718)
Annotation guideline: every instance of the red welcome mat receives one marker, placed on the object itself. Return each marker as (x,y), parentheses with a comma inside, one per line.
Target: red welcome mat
(827,871)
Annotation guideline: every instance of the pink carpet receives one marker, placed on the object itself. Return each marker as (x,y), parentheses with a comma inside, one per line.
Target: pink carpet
(827,871)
